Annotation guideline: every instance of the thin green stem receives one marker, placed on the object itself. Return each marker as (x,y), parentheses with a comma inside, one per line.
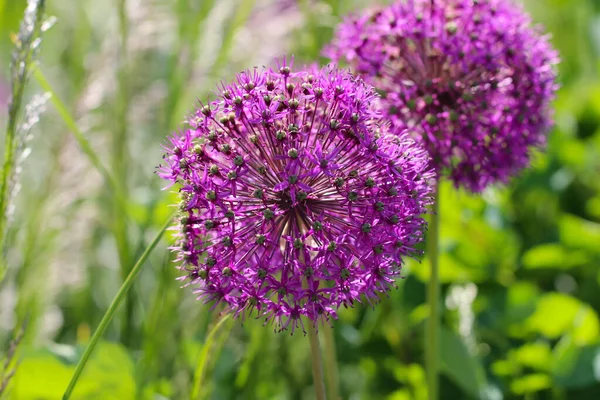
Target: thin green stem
(433,294)
(331,371)
(317,363)
(72,125)
(83,143)
(119,162)
(112,309)
(20,69)
(204,357)
(241,15)
(191,32)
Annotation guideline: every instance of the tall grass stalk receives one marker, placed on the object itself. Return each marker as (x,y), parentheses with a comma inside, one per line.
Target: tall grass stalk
(191,33)
(433,294)
(82,141)
(27,43)
(38,241)
(112,309)
(158,358)
(241,15)
(118,199)
(120,158)
(8,366)
(317,362)
(331,367)
(208,352)
(180,68)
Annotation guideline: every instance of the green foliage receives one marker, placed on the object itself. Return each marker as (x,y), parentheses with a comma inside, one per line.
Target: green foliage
(44,374)
(470,376)
(519,264)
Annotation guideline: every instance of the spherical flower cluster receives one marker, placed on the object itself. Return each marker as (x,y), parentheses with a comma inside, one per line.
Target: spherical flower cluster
(294,198)
(471,78)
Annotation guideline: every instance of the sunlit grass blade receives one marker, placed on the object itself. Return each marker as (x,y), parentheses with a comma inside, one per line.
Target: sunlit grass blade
(112,309)
(433,298)
(209,344)
(82,141)
(179,95)
(317,362)
(27,44)
(191,31)
(120,162)
(9,364)
(238,20)
(331,367)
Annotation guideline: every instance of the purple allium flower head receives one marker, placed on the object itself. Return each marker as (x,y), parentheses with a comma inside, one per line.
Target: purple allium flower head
(471,78)
(295,199)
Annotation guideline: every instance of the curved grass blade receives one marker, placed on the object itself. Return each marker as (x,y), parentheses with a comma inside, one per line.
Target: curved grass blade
(27,44)
(112,309)
(72,125)
(209,345)
(238,20)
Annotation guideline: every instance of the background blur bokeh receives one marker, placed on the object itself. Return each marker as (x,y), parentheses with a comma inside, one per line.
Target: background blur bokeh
(520,264)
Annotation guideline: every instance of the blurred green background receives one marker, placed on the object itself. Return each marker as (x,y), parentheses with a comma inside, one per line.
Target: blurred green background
(520,264)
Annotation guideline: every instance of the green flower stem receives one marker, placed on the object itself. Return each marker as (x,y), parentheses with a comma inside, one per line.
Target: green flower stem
(331,371)
(24,55)
(82,141)
(317,364)
(433,294)
(119,162)
(203,360)
(112,309)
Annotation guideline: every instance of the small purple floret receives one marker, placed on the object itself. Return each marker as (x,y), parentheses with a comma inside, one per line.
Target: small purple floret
(471,78)
(295,199)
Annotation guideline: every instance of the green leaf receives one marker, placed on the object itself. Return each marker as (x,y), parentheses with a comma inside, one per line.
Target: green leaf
(576,366)
(521,301)
(504,368)
(558,314)
(451,270)
(109,374)
(411,374)
(459,365)
(553,255)
(530,384)
(112,366)
(580,233)
(402,394)
(47,371)
(534,355)
(592,206)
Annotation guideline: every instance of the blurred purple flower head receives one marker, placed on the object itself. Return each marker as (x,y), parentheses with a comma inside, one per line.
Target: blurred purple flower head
(294,198)
(472,78)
